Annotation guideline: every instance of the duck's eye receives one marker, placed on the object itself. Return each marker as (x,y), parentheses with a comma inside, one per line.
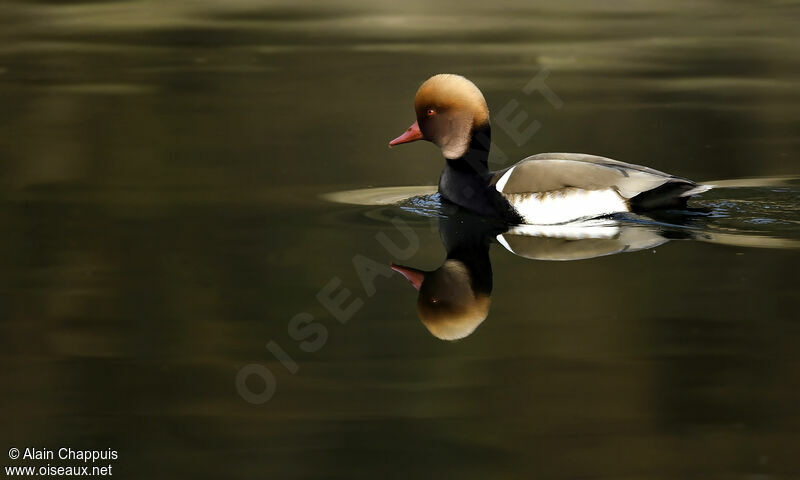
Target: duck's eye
(430,112)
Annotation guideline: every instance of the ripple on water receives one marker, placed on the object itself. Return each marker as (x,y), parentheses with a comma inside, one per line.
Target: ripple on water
(757,212)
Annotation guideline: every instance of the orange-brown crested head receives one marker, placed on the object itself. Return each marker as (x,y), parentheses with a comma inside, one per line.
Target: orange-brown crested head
(449,109)
(447,92)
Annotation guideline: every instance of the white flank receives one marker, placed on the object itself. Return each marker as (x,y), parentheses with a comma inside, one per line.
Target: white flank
(501,184)
(563,206)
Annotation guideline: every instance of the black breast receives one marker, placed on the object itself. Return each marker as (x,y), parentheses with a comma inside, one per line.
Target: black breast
(472,191)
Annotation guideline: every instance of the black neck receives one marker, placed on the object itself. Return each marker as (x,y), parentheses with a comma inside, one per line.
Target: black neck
(465,180)
(476,158)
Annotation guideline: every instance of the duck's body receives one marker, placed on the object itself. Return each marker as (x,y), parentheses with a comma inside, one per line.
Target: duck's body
(547,188)
(551,188)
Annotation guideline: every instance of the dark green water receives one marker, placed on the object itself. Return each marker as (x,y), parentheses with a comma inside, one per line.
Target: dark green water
(164,172)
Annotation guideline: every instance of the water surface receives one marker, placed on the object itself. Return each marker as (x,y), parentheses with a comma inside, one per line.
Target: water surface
(165,181)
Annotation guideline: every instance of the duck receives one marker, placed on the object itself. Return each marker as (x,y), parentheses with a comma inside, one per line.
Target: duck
(543,189)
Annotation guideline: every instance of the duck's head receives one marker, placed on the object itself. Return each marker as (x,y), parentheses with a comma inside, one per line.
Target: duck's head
(450,109)
(447,304)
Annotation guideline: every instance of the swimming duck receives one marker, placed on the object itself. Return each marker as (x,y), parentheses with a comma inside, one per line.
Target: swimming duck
(548,188)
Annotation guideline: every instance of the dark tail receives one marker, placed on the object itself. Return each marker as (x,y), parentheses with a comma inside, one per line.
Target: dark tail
(673,194)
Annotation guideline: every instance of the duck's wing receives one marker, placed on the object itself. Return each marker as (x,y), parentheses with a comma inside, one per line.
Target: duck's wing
(547,172)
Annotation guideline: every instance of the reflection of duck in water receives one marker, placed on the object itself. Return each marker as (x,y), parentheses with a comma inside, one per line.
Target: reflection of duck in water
(455,298)
(582,240)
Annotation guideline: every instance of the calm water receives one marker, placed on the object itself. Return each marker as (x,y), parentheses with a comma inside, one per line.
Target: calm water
(166,172)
